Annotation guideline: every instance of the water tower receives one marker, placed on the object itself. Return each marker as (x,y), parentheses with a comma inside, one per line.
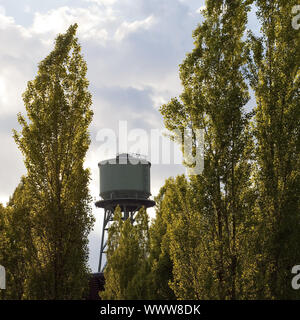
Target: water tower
(124,182)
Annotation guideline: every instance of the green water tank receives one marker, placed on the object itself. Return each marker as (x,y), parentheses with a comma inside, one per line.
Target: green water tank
(125,177)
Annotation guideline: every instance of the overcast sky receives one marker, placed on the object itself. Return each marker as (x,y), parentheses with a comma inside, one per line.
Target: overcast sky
(132,48)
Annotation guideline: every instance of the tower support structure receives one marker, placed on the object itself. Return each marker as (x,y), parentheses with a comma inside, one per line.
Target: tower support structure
(129,207)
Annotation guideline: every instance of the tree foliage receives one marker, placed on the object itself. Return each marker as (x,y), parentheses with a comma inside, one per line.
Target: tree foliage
(54,140)
(274,74)
(214,96)
(127,252)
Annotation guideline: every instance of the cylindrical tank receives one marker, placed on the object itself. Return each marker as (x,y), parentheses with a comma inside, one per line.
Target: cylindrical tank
(126,176)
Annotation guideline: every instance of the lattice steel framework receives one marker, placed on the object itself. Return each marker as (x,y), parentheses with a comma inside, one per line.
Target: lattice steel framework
(129,208)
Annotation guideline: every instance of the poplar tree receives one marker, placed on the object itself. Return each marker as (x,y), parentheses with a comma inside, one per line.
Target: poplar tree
(127,269)
(275,77)
(54,140)
(161,265)
(184,240)
(214,96)
(16,246)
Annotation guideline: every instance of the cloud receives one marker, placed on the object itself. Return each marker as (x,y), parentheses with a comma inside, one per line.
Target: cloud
(135,26)
(17,63)
(5,20)
(27,9)
(58,20)
(103,2)
(3,97)
(12,167)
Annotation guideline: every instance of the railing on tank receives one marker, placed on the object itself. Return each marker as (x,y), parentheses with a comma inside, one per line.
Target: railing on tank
(136,195)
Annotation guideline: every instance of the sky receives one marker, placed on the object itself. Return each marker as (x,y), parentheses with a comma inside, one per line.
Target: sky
(133,49)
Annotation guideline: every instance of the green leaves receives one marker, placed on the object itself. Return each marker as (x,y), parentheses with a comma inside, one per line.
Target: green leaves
(127,265)
(54,140)
(274,67)
(215,93)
